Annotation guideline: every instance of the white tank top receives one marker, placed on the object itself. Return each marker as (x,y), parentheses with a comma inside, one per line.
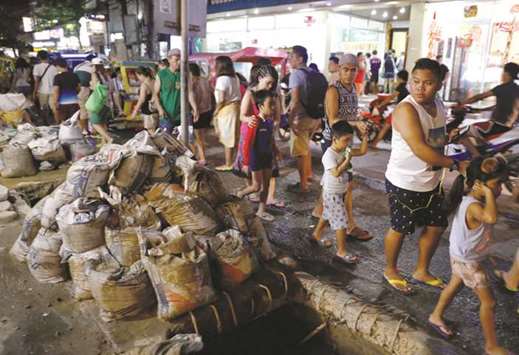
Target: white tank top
(466,244)
(405,169)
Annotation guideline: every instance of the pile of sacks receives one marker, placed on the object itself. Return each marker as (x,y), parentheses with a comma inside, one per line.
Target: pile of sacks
(10,205)
(137,226)
(43,148)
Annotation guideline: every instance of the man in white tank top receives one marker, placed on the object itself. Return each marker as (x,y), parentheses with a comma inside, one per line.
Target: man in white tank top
(414,172)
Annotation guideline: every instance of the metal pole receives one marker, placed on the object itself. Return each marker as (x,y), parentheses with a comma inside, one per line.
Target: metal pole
(184,62)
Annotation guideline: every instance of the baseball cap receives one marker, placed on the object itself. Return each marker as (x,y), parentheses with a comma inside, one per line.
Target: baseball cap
(98,61)
(348,58)
(174,52)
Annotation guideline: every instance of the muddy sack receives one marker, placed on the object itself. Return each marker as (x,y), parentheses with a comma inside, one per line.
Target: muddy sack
(44,260)
(81,148)
(120,292)
(182,282)
(164,140)
(259,239)
(132,172)
(123,245)
(82,224)
(207,184)
(236,213)
(190,213)
(135,211)
(45,149)
(18,162)
(160,171)
(30,227)
(236,260)
(78,264)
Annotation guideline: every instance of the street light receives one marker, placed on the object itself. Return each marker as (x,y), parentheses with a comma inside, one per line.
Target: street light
(256,11)
(373,12)
(402,10)
(384,15)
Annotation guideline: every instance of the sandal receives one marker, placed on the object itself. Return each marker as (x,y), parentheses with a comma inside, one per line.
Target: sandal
(223,168)
(267,217)
(502,284)
(405,289)
(347,259)
(444,332)
(359,234)
(436,283)
(254,198)
(320,243)
(276,204)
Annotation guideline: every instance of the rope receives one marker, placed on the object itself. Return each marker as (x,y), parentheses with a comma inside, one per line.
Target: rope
(358,316)
(285,283)
(217,317)
(396,332)
(231,305)
(195,325)
(269,295)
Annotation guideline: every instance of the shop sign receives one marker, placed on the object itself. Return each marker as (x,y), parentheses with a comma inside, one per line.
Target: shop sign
(166,17)
(507,26)
(471,11)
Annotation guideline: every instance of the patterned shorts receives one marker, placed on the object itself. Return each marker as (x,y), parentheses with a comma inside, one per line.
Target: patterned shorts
(334,210)
(470,272)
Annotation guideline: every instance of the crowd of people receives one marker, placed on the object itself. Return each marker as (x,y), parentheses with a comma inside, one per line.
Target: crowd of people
(249,118)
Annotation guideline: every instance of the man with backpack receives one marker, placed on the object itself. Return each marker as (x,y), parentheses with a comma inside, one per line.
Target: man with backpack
(305,112)
(44,74)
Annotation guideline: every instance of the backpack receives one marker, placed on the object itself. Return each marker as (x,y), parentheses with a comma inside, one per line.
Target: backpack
(316,86)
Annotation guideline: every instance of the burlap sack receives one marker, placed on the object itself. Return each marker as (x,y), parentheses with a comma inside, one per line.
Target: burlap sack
(18,162)
(120,292)
(207,184)
(123,244)
(44,260)
(131,173)
(182,282)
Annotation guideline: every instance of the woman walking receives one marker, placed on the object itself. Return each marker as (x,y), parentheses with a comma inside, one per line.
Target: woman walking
(202,108)
(144,105)
(21,78)
(227,112)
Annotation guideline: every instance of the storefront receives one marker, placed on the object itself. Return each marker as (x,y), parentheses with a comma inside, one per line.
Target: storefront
(321,32)
(474,40)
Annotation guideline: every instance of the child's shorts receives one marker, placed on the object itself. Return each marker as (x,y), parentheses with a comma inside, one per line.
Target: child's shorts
(470,272)
(334,210)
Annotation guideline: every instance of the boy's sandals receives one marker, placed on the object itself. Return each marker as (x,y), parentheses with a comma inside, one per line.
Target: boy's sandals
(267,217)
(445,332)
(320,242)
(399,285)
(436,282)
(346,259)
(359,234)
(276,204)
(223,168)
(502,283)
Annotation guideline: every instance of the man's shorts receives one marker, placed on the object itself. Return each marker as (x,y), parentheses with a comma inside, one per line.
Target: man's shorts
(334,210)
(470,272)
(300,143)
(410,209)
(44,100)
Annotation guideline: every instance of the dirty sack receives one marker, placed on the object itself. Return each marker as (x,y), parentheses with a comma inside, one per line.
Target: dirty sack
(24,134)
(82,224)
(44,260)
(132,172)
(123,245)
(45,149)
(53,202)
(236,213)
(30,227)
(236,260)
(81,148)
(161,170)
(191,213)
(135,211)
(78,263)
(17,160)
(258,238)
(207,184)
(120,292)
(164,140)
(182,282)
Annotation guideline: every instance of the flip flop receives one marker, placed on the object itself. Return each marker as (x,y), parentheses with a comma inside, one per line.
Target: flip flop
(394,282)
(360,234)
(346,259)
(277,204)
(442,331)
(436,283)
(253,198)
(320,243)
(502,284)
(223,168)
(267,217)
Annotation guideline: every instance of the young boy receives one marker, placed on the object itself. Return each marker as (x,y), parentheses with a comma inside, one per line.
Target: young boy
(469,240)
(337,165)
(259,150)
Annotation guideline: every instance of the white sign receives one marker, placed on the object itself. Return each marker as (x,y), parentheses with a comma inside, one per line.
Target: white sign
(166,17)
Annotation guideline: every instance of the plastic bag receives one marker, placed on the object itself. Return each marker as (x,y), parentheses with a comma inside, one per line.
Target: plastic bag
(69,131)
(97,99)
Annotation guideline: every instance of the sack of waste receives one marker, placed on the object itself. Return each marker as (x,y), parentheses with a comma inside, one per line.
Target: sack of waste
(53,202)
(182,282)
(30,227)
(132,172)
(82,224)
(160,171)
(207,184)
(44,260)
(44,149)
(120,292)
(164,140)
(191,213)
(81,148)
(236,213)
(17,160)
(69,131)
(258,238)
(135,211)
(123,245)
(236,260)
(24,134)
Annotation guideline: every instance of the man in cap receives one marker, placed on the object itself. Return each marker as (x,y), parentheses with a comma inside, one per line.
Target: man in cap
(167,92)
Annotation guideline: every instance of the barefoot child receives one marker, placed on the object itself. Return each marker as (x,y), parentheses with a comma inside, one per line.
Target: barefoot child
(469,240)
(337,165)
(259,150)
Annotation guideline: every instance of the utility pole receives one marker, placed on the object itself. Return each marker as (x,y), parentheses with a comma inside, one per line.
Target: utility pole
(184,69)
